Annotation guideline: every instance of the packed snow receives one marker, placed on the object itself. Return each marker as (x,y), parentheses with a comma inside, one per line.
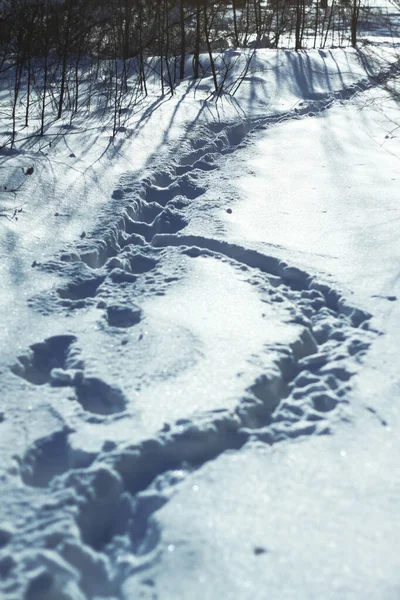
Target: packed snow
(200,330)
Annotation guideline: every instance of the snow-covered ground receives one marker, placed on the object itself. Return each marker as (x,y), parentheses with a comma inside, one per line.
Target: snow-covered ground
(200,328)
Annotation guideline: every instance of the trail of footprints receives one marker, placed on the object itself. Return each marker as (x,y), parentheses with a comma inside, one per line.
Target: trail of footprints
(96,510)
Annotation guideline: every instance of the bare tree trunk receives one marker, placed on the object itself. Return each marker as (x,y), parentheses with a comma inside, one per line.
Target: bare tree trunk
(303,21)
(76,100)
(183,39)
(142,71)
(167,47)
(354,22)
(196,55)
(235,23)
(44,93)
(246,35)
(325,7)
(64,60)
(17,87)
(316,23)
(208,43)
(298,27)
(256,19)
(329,23)
(28,90)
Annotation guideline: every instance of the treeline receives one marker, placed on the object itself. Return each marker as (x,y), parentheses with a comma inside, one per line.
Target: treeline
(52,48)
(127,28)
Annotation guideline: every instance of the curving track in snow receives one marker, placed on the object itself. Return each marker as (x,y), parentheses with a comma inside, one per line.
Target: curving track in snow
(176,348)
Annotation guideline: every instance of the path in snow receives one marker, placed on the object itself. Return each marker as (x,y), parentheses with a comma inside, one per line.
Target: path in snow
(176,348)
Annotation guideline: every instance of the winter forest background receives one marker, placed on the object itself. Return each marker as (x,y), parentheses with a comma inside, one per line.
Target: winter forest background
(85,55)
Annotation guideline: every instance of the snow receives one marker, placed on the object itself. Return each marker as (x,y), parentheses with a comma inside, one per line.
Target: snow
(277,521)
(347,219)
(198,352)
